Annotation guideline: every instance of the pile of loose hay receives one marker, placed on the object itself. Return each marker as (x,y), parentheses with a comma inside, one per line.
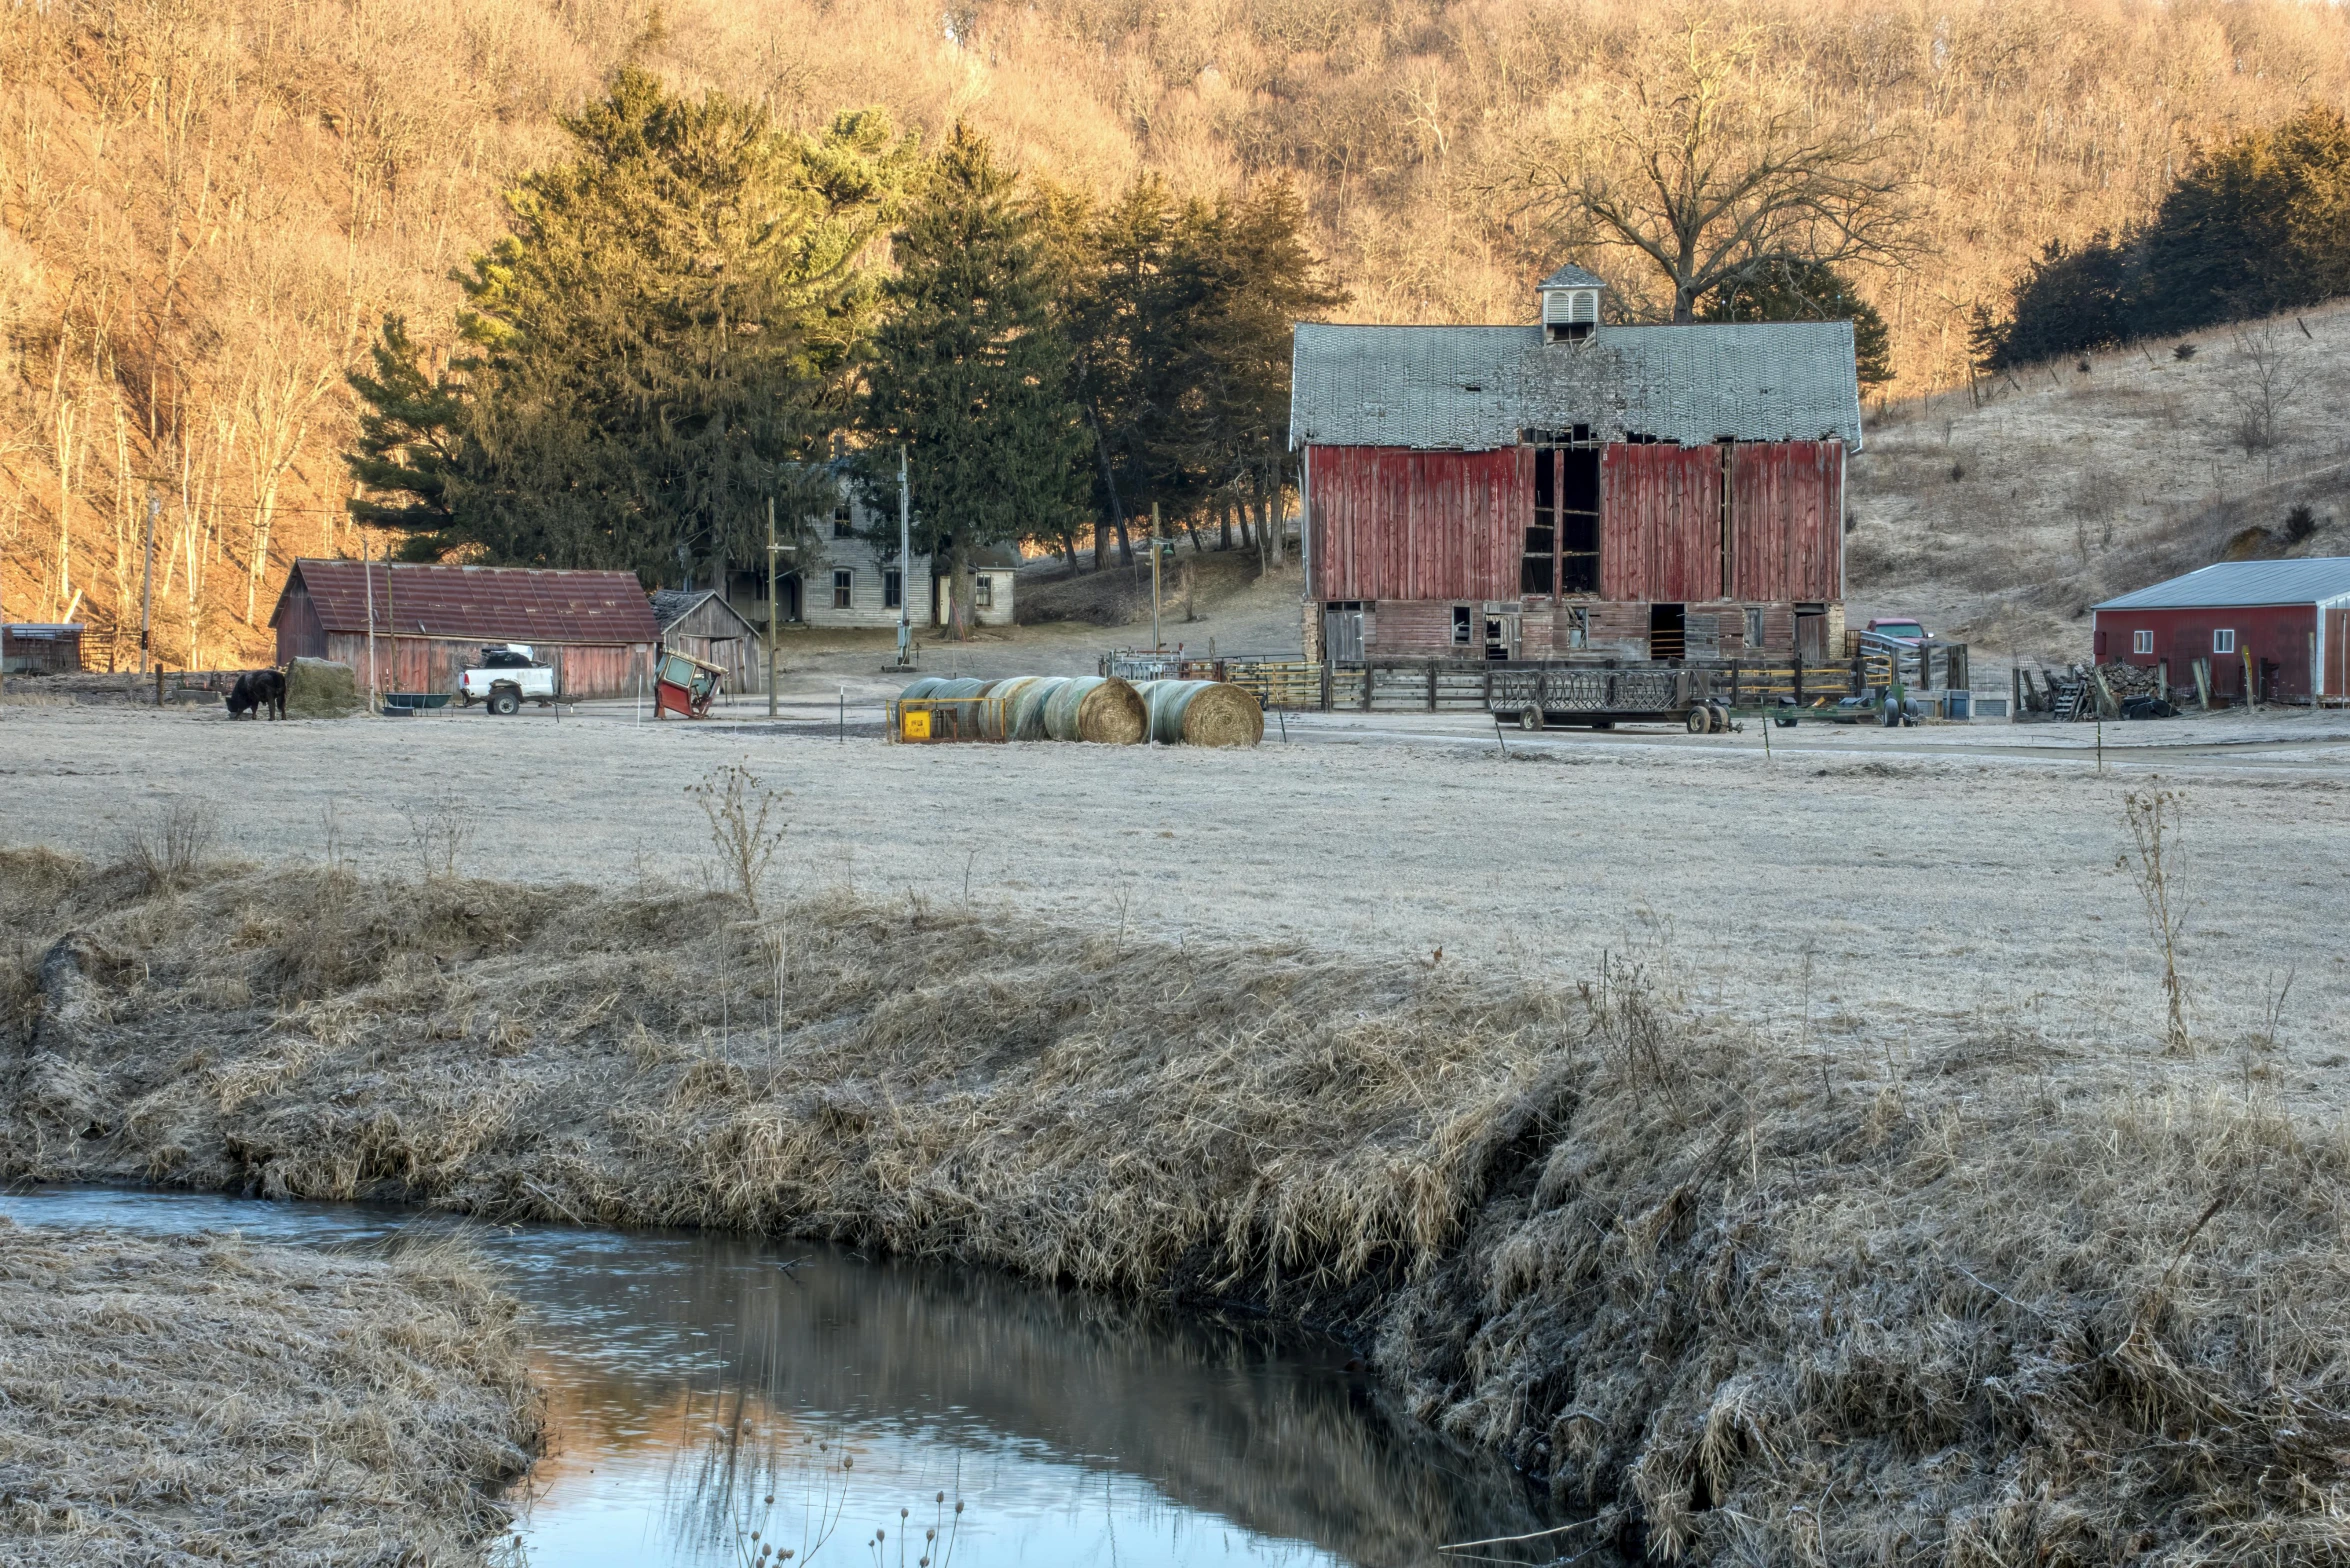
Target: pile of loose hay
(211,1400)
(321,689)
(1752,1303)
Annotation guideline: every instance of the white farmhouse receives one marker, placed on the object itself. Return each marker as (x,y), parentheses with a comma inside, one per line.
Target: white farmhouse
(847,580)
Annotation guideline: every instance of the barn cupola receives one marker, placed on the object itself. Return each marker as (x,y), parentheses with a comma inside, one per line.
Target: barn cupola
(1570,304)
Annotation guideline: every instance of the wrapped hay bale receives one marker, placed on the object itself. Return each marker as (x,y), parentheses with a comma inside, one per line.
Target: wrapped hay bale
(1202,713)
(321,689)
(1104,710)
(1024,697)
(955,721)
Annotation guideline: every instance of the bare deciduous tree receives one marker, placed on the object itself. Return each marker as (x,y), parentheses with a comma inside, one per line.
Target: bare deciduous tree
(2262,387)
(1713,164)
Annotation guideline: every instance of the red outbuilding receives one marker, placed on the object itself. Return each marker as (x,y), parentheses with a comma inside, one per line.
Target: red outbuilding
(1571,487)
(2280,627)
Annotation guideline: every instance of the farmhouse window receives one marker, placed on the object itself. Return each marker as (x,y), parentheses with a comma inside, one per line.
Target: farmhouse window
(983,592)
(842,526)
(893,590)
(844,584)
(2141,642)
(2224,640)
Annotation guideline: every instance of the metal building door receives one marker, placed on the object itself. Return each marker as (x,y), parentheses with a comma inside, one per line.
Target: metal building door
(1342,633)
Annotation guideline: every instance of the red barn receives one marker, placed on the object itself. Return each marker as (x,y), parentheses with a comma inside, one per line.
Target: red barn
(426,622)
(1657,492)
(2287,622)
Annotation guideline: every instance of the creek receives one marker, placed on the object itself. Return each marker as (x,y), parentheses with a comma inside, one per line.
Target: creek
(703,1386)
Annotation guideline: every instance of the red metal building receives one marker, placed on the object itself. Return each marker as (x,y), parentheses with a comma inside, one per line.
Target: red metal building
(426,622)
(1534,492)
(2282,624)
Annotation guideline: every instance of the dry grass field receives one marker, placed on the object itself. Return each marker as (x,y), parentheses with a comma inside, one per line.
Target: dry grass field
(2000,515)
(217,1401)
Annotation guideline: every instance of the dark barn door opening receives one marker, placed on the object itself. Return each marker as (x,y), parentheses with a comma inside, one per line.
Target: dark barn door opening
(1562,542)
(1667,631)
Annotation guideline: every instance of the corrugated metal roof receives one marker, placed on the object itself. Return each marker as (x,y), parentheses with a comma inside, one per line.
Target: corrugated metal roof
(492,603)
(2232,584)
(1474,388)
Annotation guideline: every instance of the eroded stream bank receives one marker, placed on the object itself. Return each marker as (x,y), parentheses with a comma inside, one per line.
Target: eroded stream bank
(687,1377)
(1752,1299)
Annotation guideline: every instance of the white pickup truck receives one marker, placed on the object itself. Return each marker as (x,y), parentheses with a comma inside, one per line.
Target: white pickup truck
(508,676)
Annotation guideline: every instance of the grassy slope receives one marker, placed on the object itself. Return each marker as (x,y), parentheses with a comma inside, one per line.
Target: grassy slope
(217,1401)
(2001,516)
(2011,1303)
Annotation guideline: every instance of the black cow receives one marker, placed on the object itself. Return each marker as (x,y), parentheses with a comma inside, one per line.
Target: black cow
(257,691)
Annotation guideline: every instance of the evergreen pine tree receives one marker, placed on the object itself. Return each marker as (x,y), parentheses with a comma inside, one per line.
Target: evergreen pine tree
(970,368)
(1790,289)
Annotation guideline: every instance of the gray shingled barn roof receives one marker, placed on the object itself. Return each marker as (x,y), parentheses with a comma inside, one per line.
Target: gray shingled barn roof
(1474,388)
(2238,584)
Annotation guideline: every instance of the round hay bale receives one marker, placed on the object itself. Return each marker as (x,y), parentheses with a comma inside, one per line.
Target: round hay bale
(1203,713)
(1107,712)
(321,689)
(1024,708)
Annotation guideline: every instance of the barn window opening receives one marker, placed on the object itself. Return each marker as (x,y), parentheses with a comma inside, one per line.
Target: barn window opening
(1754,628)
(2141,642)
(1668,636)
(1460,623)
(1578,520)
(893,590)
(842,525)
(2224,640)
(844,584)
(1537,565)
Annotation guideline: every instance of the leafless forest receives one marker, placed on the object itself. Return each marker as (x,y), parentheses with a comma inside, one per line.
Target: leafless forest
(206,205)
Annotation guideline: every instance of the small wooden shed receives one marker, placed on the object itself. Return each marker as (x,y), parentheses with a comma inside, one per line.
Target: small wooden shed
(41,649)
(699,622)
(426,622)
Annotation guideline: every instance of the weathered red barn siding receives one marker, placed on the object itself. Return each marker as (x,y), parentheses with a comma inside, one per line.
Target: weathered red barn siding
(582,670)
(1389,523)
(300,633)
(1660,522)
(1786,520)
(2283,635)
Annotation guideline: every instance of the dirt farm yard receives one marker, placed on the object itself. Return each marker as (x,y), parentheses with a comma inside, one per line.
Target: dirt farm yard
(1903,886)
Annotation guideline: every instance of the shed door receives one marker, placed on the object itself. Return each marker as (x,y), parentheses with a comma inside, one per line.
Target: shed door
(1342,633)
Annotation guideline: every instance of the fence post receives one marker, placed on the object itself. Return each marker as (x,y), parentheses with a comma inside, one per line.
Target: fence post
(1367,667)
(1325,680)
(1431,685)
(1799,680)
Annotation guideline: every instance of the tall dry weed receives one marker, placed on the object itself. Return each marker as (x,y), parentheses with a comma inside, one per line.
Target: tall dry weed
(172,847)
(2156,863)
(746,827)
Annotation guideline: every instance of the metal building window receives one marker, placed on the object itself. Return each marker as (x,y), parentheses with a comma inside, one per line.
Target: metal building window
(844,583)
(893,590)
(2224,640)
(2141,642)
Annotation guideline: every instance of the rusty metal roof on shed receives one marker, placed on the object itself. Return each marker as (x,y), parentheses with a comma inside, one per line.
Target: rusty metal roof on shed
(489,603)
(2243,585)
(1473,389)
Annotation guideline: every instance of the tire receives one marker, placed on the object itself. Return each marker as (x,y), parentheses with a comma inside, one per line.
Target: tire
(1700,721)
(505,704)
(1530,719)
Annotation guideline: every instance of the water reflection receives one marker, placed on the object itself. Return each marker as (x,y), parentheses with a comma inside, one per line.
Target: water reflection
(693,1377)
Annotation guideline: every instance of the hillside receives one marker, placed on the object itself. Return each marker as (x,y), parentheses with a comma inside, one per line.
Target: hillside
(206,205)
(2002,513)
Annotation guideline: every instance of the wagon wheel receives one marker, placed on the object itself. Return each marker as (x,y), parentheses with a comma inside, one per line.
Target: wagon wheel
(1530,719)
(1700,721)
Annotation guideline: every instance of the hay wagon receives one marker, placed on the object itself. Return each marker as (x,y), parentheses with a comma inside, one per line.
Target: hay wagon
(1601,698)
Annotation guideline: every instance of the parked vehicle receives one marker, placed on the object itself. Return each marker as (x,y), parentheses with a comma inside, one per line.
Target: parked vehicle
(1903,630)
(508,676)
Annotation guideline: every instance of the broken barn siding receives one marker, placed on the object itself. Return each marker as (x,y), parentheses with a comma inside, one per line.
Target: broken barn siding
(1786,511)
(1392,524)
(1660,523)
(582,670)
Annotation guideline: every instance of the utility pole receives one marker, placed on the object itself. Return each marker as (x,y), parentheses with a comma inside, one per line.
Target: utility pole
(771,614)
(905,564)
(1157,642)
(367,575)
(147,581)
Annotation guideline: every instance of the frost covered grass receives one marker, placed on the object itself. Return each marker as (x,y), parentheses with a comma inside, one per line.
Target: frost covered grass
(1792,1297)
